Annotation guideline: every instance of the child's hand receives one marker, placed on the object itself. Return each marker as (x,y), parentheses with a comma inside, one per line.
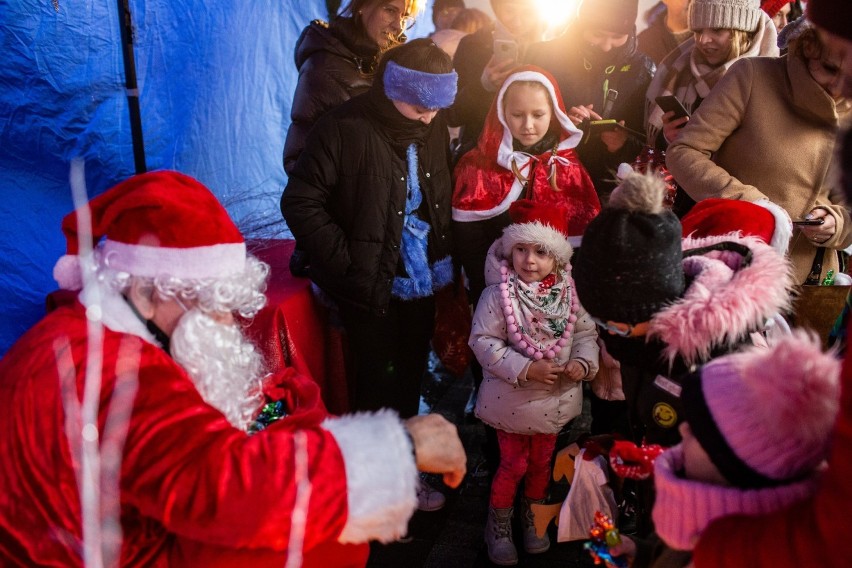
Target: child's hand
(580,113)
(626,548)
(574,370)
(544,371)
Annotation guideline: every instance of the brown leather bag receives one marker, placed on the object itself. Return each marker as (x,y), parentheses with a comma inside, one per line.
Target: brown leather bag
(817,306)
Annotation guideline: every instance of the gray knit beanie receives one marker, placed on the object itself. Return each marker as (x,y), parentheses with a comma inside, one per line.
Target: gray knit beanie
(724,14)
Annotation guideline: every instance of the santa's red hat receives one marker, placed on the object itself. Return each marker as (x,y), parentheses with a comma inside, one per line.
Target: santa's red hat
(154,224)
(543,224)
(762,219)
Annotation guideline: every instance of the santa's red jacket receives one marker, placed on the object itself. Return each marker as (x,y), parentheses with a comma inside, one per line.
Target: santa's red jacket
(193,490)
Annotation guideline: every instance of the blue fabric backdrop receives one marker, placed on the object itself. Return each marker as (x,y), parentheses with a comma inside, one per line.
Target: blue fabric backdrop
(216,81)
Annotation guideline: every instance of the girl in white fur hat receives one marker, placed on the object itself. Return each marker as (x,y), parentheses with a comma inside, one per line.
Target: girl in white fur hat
(535,344)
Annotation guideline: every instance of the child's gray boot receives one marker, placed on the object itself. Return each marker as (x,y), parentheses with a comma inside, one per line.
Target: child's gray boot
(533,543)
(498,537)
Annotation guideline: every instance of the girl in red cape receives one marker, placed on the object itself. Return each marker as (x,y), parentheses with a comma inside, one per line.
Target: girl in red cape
(526,150)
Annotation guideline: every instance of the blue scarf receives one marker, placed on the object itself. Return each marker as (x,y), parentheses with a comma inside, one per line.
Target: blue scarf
(422,279)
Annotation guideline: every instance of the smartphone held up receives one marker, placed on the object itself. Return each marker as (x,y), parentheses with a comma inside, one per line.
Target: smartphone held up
(505,50)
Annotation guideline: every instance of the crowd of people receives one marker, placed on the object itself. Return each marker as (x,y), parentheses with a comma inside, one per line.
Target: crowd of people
(142,428)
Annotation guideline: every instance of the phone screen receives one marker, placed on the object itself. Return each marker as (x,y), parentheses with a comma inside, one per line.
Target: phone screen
(670,103)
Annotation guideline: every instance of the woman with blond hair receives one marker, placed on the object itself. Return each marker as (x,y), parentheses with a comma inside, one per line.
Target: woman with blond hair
(786,111)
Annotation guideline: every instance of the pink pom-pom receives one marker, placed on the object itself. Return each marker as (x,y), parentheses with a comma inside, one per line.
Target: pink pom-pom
(572,318)
(522,344)
(507,310)
(510,319)
(513,328)
(505,294)
(516,337)
(507,303)
(550,354)
(562,342)
(504,270)
(536,354)
(569,328)
(68,273)
(504,286)
(530,351)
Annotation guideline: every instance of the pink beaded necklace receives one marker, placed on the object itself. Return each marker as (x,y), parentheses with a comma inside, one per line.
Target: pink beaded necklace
(522,340)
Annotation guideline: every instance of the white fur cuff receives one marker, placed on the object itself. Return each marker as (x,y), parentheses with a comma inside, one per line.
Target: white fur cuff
(381,476)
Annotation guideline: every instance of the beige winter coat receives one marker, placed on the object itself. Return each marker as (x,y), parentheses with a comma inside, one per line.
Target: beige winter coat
(767,131)
(521,406)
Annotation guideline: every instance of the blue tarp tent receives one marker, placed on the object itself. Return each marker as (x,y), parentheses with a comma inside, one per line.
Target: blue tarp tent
(216,81)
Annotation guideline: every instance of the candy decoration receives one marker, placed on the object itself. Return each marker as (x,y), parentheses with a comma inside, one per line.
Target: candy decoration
(604,536)
(270,413)
(631,462)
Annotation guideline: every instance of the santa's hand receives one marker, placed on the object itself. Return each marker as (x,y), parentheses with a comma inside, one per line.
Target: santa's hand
(437,447)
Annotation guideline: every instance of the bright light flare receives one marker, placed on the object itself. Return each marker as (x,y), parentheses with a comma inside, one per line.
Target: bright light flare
(557,14)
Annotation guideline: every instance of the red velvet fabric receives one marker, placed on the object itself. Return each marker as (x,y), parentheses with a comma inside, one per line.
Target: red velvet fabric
(293,330)
(480,183)
(188,480)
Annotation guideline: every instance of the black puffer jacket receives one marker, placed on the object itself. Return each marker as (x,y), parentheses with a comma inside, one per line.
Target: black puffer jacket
(582,82)
(472,100)
(345,202)
(335,63)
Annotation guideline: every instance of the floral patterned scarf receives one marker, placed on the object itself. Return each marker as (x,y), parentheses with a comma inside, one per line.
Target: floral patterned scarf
(541,309)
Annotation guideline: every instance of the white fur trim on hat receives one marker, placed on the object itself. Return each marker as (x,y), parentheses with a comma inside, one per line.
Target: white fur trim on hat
(68,273)
(783,226)
(194,263)
(554,242)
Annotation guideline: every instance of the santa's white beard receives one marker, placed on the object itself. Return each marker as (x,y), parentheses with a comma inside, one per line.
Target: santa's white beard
(223,364)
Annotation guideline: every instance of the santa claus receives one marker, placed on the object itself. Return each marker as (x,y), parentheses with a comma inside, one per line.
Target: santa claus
(153,329)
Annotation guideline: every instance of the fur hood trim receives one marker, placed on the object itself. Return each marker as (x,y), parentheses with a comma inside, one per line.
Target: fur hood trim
(725,301)
(554,242)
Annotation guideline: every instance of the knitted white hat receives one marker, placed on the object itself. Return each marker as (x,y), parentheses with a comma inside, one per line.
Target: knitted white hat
(724,14)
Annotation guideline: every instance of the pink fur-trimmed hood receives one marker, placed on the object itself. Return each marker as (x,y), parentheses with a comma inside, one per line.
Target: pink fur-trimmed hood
(725,301)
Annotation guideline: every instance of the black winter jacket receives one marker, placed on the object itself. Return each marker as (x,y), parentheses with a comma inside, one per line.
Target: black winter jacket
(582,82)
(472,100)
(335,63)
(345,202)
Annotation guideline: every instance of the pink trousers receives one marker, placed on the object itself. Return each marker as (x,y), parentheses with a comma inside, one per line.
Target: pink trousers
(522,456)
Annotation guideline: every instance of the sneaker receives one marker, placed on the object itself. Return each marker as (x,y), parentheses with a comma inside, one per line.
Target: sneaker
(429,498)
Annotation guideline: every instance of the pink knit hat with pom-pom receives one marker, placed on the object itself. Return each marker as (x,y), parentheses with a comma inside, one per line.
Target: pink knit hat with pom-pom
(764,415)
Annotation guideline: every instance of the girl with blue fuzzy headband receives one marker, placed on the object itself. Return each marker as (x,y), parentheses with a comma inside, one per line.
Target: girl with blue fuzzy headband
(369,200)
